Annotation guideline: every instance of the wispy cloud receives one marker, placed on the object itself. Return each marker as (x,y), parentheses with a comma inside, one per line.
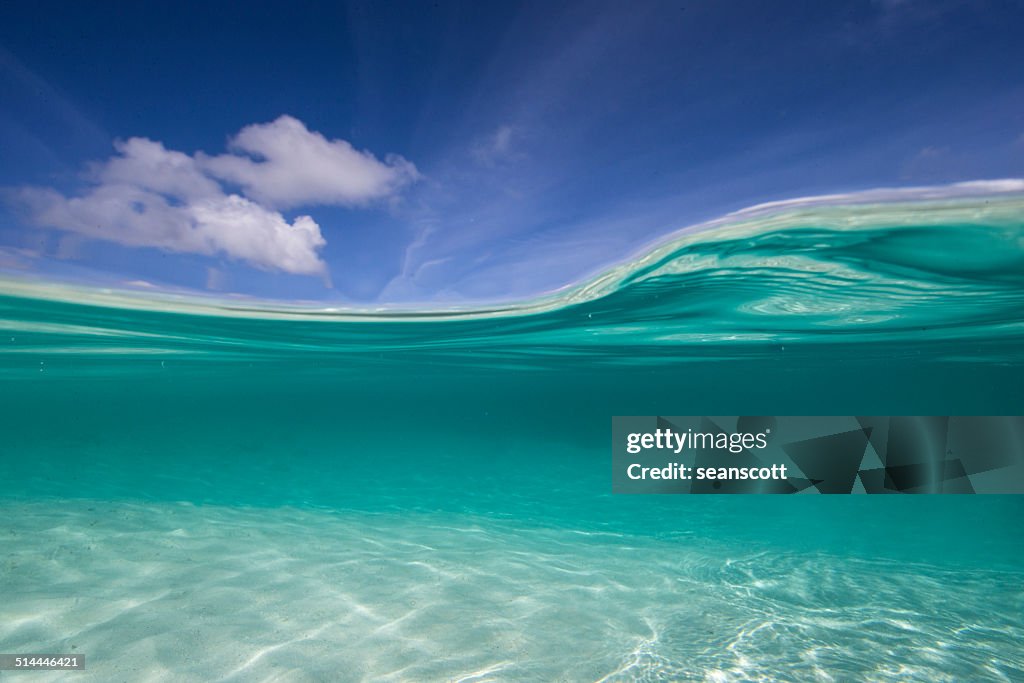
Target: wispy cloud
(48,108)
(17,259)
(496,147)
(928,163)
(149,196)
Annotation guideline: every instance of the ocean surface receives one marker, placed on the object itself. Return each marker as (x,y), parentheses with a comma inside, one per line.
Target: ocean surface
(198,488)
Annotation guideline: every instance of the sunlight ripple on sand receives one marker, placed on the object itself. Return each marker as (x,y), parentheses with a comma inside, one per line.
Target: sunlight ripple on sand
(206,593)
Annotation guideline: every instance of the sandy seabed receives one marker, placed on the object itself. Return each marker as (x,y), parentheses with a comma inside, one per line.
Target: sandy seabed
(178,592)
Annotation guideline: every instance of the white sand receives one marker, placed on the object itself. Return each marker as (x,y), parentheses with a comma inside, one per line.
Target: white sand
(183,593)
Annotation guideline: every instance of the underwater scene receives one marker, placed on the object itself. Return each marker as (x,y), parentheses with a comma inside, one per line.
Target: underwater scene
(214,488)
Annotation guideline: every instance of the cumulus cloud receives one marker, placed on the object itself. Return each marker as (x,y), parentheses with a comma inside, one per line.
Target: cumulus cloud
(149,196)
(149,165)
(284,164)
(227,224)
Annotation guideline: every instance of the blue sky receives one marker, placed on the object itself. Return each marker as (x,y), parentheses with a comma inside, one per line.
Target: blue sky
(437,152)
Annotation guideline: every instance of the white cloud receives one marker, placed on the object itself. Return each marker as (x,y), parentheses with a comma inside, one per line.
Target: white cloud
(149,196)
(284,164)
(151,166)
(222,225)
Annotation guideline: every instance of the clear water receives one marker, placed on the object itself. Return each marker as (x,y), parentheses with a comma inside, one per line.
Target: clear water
(199,489)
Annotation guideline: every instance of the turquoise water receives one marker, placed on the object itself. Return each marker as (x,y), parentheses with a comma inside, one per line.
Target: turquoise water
(223,489)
